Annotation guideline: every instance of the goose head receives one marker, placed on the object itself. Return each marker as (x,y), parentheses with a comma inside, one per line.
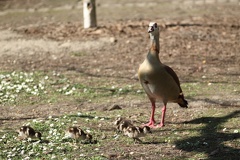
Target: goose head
(153,29)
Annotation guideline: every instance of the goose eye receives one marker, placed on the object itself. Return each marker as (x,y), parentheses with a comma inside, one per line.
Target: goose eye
(155,25)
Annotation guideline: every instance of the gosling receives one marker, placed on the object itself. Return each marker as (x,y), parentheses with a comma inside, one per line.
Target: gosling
(28,132)
(136,132)
(78,133)
(122,124)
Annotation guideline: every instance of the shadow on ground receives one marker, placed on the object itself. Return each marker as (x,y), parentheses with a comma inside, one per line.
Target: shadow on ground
(212,142)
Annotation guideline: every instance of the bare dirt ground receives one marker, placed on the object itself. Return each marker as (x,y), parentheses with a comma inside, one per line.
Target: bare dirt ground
(200,41)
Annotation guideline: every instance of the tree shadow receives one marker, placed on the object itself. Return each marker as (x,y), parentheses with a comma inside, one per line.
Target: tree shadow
(212,142)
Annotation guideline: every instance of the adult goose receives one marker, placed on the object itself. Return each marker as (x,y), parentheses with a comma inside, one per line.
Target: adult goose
(159,81)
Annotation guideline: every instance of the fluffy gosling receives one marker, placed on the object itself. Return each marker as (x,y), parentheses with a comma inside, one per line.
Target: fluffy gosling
(136,132)
(78,133)
(28,132)
(122,124)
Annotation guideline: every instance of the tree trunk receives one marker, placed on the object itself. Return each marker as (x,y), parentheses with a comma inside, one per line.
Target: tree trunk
(89,14)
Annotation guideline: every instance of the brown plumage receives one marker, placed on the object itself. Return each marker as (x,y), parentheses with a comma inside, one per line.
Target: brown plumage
(78,133)
(136,132)
(28,132)
(122,124)
(159,81)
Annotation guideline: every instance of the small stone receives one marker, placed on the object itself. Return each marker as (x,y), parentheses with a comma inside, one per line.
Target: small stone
(114,107)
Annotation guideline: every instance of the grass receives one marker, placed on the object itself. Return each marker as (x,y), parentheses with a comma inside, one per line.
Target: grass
(31,87)
(53,130)
(22,88)
(204,134)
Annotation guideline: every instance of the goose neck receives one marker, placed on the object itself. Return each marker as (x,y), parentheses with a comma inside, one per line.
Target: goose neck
(154,43)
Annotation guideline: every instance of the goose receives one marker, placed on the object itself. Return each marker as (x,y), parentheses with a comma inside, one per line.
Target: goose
(28,132)
(136,132)
(158,80)
(77,133)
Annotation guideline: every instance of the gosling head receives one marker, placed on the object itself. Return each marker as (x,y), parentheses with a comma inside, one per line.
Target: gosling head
(38,135)
(146,129)
(72,132)
(118,120)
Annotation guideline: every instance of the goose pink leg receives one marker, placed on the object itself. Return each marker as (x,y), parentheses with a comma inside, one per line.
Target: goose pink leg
(163,116)
(152,120)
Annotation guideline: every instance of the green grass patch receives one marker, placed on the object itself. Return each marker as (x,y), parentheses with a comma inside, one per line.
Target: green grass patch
(23,88)
(54,144)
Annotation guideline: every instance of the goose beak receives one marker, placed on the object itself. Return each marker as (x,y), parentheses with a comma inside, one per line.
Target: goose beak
(150,29)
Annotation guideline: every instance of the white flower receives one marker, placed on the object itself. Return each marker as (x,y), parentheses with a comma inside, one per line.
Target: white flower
(29,80)
(66,87)
(30,153)
(22,152)
(28,90)
(205,143)
(75,122)
(139,91)
(69,92)
(235,131)
(44,148)
(4,136)
(27,124)
(26,158)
